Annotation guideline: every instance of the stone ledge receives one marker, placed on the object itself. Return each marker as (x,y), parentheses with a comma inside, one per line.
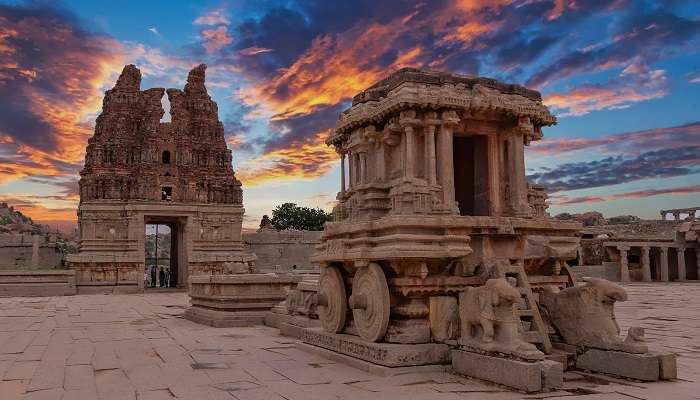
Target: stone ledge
(276,320)
(644,367)
(223,319)
(370,367)
(520,375)
(386,354)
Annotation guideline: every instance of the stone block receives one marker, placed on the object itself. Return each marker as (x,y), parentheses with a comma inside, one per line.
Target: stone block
(644,367)
(223,319)
(552,374)
(520,375)
(386,354)
(291,330)
(667,366)
(236,300)
(371,367)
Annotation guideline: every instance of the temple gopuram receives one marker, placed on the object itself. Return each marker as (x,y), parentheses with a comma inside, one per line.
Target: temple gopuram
(139,170)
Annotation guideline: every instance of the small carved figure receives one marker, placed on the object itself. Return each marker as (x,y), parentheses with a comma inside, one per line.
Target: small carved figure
(488,319)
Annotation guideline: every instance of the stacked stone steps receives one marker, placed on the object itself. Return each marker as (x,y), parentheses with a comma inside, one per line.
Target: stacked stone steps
(534,329)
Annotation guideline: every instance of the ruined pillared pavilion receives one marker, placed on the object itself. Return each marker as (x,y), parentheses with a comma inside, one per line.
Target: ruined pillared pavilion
(139,170)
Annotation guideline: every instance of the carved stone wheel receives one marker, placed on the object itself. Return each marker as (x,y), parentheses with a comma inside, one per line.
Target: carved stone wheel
(332,301)
(370,302)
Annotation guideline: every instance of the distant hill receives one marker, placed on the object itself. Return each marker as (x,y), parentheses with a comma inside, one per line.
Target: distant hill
(14,221)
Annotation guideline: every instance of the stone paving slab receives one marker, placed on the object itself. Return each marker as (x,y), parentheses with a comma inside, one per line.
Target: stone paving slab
(137,347)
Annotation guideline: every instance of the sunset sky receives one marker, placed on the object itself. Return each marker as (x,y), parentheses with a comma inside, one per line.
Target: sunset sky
(623,78)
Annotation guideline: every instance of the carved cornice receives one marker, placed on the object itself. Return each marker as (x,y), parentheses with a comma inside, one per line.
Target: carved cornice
(440,91)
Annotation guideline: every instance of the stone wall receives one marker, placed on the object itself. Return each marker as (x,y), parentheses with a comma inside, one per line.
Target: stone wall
(281,250)
(28,251)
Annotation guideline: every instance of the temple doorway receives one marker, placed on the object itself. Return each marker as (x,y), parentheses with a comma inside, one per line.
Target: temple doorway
(471,174)
(162,254)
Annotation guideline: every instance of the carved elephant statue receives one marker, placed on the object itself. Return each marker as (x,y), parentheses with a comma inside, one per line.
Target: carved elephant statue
(485,306)
(584,315)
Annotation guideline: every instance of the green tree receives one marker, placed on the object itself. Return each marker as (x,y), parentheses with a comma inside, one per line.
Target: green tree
(291,216)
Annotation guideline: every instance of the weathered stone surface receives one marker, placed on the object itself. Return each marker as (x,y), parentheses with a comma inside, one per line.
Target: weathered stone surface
(282,251)
(37,283)
(444,317)
(139,170)
(644,367)
(432,227)
(488,320)
(143,336)
(520,375)
(386,354)
(668,368)
(236,299)
(552,374)
(585,316)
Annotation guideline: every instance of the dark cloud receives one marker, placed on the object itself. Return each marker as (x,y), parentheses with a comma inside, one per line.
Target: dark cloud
(614,170)
(300,129)
(49,68)
(288,30)
(637,194)
(642,36)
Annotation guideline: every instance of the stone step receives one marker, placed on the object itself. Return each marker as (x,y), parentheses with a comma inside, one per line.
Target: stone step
(527,313)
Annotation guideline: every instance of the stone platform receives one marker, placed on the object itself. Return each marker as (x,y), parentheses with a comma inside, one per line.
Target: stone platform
(138,346)
(385,354)
(37,283)
(236,299)
(520,375)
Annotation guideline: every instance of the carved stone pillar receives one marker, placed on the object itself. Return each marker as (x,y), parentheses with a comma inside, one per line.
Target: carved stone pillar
(664,264)
(624,265)
(363,168)
(447,177)
(430,156)
(517,187)
(351,173)
(380,175)
(342,173)
(410,160)
(680,254)
(646,265)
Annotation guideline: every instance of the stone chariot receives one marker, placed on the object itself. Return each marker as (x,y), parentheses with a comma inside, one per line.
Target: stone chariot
(436,202)
(440,249)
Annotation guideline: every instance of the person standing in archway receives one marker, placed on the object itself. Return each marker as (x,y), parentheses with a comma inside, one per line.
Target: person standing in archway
(153,276)
(161,277)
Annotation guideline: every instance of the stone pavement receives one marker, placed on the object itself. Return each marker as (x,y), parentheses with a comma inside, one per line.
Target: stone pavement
(137,347)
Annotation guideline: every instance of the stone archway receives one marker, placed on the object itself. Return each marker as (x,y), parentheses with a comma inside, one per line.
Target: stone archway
(176,252)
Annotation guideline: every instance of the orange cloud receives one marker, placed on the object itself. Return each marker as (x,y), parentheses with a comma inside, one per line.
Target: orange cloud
(338,66)
(298,161)
(214,17)
(41,213)
(61,88)
(638,194)
(614,95)
(215,39)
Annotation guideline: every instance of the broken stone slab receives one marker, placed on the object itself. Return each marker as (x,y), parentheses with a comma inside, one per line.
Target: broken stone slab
(386,354)
(644,367)
(519,375)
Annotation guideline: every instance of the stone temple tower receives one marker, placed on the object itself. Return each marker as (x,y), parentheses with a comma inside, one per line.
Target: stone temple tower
(139,170)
